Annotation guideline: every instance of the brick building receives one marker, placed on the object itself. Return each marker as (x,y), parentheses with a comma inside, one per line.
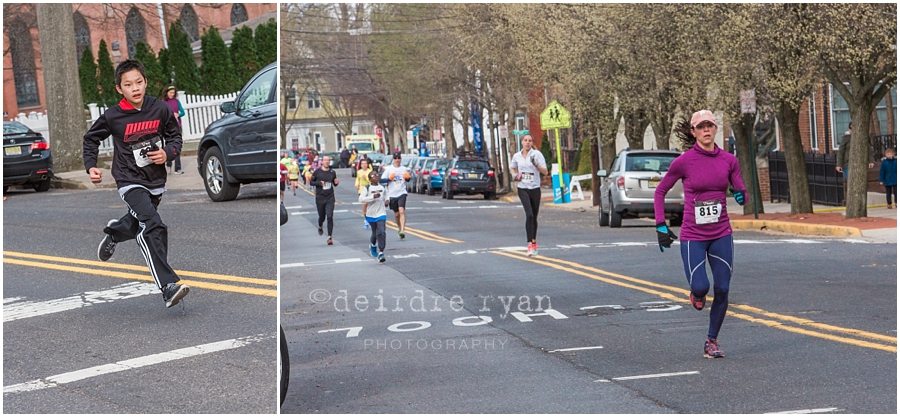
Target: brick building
(122,26)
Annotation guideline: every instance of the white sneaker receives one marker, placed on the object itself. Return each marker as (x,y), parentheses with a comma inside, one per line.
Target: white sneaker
(530,251)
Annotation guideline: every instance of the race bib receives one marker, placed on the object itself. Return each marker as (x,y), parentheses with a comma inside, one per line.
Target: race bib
(141,149)
(326,186)
(527,177)
(707,212)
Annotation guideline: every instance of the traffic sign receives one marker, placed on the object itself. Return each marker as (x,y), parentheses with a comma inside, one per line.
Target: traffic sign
(555,116)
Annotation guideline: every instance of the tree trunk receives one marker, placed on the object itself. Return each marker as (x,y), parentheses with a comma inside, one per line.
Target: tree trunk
(859,157)
(635,125)
(595,166)
(798,183)
(65,108)
(662,129)
(743,127)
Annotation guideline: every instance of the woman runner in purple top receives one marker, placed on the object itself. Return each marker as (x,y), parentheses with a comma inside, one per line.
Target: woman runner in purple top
(706,172)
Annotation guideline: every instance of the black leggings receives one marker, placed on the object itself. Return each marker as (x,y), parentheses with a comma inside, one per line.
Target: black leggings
(142,223)
(378,234)
(325,207)
(531,201)
(888,190)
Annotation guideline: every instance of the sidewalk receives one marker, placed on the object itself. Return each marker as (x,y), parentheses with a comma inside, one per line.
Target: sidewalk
(880,225)
(79,179)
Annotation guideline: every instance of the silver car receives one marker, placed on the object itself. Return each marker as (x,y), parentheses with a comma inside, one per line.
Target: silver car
(627,190)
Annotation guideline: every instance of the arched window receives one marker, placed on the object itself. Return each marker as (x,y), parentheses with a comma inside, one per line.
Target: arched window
(134,30)
(238,13)
(189,22)
(82,34)
(24,74)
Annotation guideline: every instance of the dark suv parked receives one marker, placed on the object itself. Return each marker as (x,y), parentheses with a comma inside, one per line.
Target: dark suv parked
(26,158)
(469,175)
(241,147)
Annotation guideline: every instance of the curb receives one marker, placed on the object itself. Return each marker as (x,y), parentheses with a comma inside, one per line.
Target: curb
(796,228)
(63,183)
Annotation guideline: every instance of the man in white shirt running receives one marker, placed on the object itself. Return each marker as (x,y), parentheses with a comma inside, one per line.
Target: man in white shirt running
(397,177)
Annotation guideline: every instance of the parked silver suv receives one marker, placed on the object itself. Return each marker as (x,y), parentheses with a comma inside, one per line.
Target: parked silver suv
(626,191)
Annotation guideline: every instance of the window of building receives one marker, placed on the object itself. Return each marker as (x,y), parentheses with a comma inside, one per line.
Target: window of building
(813,129)
(238,13)
(339,138)
(292,98)
(317,137)
(188,20)
(82,34)
(24,74)
(840,115)
(135,31)
(313,100)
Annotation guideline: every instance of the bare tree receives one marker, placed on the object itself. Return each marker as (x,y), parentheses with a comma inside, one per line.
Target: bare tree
(64,103)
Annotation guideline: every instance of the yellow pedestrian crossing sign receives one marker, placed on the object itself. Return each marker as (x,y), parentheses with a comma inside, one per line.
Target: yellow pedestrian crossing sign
(555,116)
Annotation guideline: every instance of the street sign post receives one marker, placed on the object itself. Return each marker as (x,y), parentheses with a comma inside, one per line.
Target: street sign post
(556,117)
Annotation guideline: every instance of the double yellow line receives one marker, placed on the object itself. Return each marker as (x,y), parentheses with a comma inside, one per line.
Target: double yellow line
(244,285)
(423,234)
(752,314)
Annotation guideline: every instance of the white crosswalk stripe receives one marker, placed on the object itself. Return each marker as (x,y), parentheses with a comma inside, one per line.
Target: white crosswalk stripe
(17,310)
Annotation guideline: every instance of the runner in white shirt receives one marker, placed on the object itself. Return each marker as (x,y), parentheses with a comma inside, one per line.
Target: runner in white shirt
(374,200)
(527,167)
(397,177)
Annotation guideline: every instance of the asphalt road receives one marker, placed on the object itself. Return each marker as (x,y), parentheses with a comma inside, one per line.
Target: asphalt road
(83,336)
(459,320)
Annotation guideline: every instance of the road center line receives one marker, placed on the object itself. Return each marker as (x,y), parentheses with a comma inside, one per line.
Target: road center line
(575,349)
(541,260)
(140,362)
(131,276)
(629,378)
(141,268)
(809,411)
(26,309)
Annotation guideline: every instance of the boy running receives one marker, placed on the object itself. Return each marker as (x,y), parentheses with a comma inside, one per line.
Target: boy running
(373,198)
(145,135)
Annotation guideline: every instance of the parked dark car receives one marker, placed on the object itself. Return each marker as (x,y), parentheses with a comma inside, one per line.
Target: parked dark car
(241,147)
(469,175)
(26,158)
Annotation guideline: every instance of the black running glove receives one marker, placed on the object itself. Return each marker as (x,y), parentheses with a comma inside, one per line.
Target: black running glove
(664,236)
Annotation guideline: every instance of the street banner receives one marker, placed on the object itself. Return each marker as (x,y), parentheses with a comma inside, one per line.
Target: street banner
(477,138)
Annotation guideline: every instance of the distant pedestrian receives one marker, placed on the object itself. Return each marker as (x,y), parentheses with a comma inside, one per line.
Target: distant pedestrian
(145,134)
(282,179)
(887,176)
(293,174)
(345,158)
(843,157)
(527,167)
(397,176)
(325,179)
(705,171)
(362,181)
(170,97)
(373,198)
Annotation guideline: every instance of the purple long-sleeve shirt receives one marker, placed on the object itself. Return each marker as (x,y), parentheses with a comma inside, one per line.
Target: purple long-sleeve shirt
(705,176)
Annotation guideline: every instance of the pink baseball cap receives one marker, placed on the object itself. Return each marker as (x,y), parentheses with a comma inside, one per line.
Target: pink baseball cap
(703,116)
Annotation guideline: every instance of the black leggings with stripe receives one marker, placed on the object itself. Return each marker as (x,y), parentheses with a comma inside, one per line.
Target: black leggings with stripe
(142,223)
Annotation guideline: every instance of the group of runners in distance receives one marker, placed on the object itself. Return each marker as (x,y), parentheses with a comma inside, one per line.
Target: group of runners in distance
(706,171)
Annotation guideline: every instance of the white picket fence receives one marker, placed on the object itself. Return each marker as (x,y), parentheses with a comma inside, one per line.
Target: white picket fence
(199,110)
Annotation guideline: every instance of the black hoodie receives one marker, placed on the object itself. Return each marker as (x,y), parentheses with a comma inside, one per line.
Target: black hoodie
(134,132)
